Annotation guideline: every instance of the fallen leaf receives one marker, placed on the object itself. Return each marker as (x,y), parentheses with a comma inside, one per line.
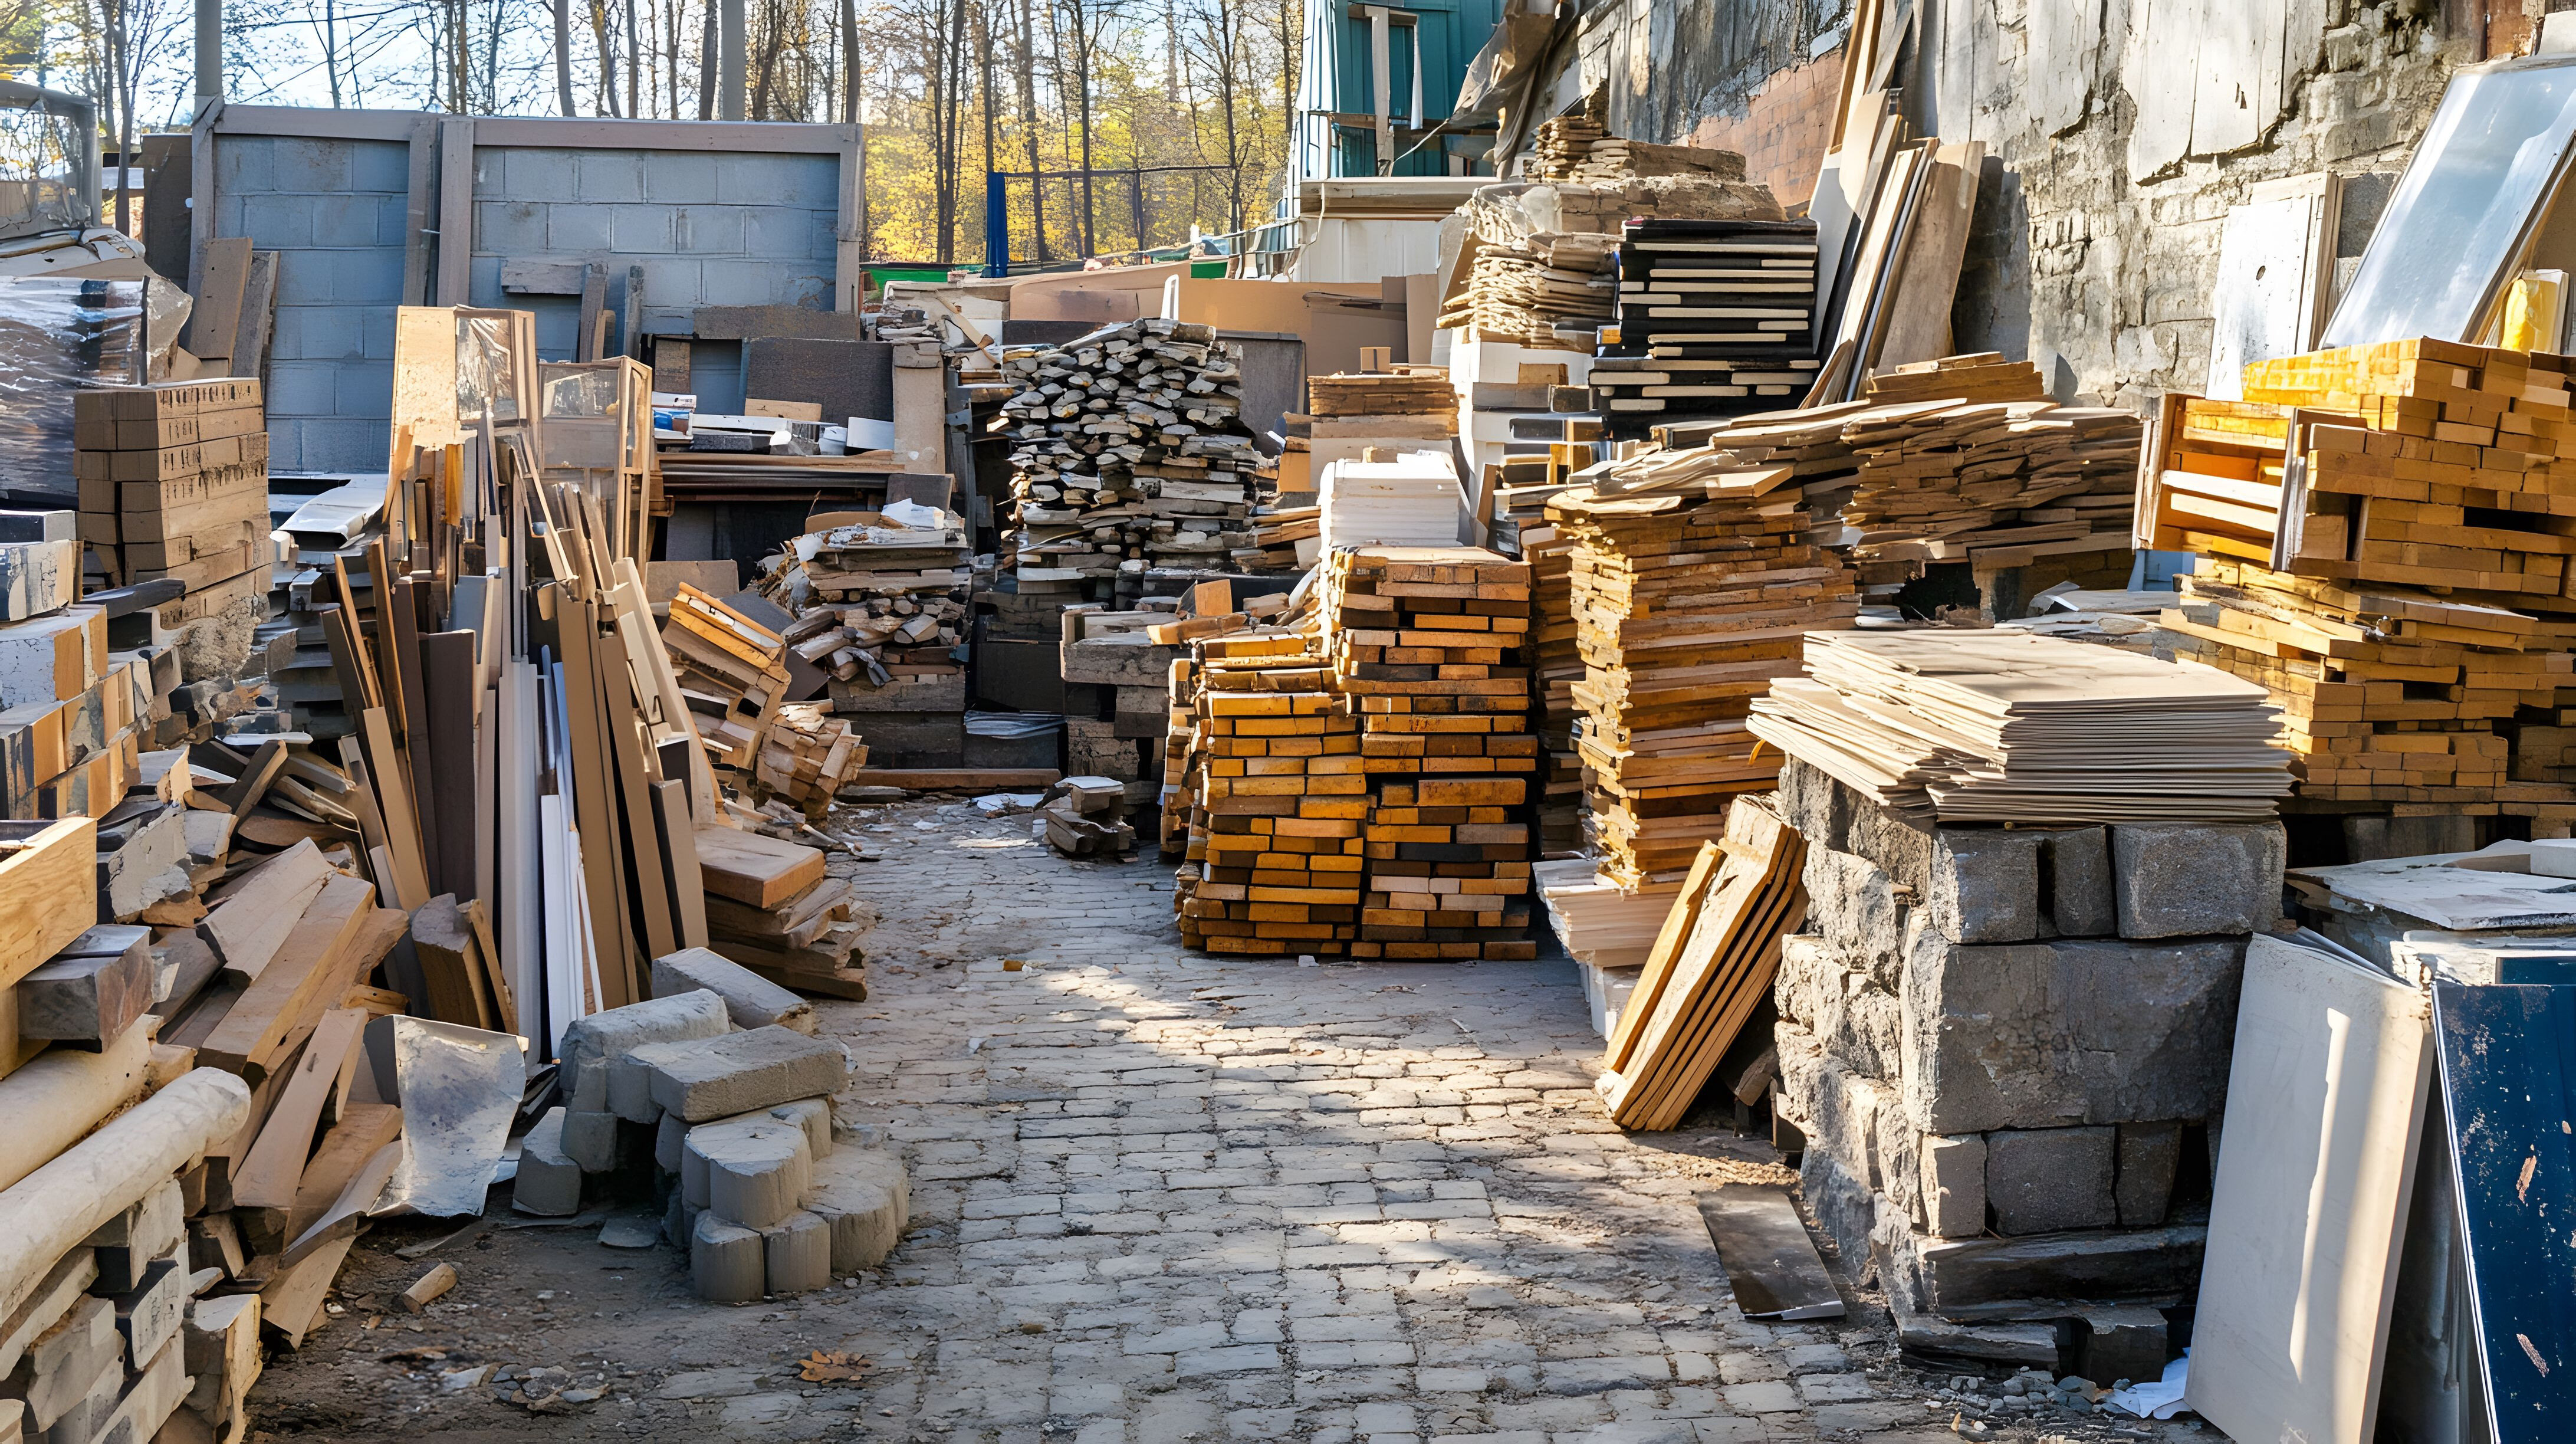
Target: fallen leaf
(836,1367)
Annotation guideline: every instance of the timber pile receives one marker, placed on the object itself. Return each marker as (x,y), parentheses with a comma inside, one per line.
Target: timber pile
(174,483)
(1407,500)
(881,603)
(1429,647)
(806,758)
(1578,148)
(1558,660)
(730,671)
(1128,451)
(2408,613)
(1693,579)
(1943,480)
(331,529)
(1999,725)
(772,907)
(1412,390)
(1716,318)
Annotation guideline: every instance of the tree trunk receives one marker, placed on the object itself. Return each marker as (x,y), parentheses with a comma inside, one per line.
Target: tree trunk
(1026,61)
(634,62)
(563,56)
(849,62)
(706,65)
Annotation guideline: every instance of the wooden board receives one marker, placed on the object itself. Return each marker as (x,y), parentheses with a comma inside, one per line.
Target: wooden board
(394,804)
(259,910)
(679,851)
(750,868)
(268,1177)
(297,983)
(291,1303)
(449,674)
(48,890)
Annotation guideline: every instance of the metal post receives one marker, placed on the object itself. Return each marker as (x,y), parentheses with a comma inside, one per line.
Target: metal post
(210,51)
(730,61)
(997,224)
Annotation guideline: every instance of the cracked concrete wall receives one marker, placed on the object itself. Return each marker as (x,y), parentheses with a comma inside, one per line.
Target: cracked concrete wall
(2118,134)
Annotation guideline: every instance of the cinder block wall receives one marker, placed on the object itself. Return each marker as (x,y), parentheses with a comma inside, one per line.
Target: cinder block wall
(333,211)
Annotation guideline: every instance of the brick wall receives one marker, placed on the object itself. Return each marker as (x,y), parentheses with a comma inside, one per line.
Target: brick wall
(1783,129)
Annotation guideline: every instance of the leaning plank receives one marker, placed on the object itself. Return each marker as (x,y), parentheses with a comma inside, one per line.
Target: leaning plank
(297,985)
(448,674)
(267,1178)
(443,940)
(252,922)
(46,1215)
(394,805)
(1676,931)
(343,1156)
(750,868)
(680,869)
(48,890)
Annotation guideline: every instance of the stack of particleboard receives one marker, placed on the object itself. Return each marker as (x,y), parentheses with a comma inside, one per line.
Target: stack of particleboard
(730,669)
(1430,648)
(2406,603)
(1270,779)
(1127,444)
(1407,499)
(174,483)
(1693,580)
(772,907)
(1716,318)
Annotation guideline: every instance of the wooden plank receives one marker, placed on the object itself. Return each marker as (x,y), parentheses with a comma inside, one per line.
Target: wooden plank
(679,850)
(267,1178)
(495,978)
(297,983)
(401,633)
(750,868)
(258,316)
(260,909)
(592,782)
(443,941)
(346,1147)
(394,805)
(1679,920)
(291,1303)
(217,317)
(265,764)
(646,879)
(48,890)
(448,678)
(1771,1264)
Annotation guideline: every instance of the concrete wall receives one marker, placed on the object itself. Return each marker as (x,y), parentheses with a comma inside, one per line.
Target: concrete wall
(2119,133)
(333,211)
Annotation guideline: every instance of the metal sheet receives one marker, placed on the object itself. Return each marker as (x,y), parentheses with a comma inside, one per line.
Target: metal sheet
(2508,1056)
(1770,1262)
(458,1088)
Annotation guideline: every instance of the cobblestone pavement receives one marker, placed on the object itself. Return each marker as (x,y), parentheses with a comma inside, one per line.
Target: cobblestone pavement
(1161,1197)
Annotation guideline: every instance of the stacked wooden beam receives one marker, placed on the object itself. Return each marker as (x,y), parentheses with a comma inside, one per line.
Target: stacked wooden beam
(1945,480)
(2406,602)
(1128,447)
(174,483)
(730,671)
(1412,390)
(881,602)
(1716,318)
(773,907)
(1430,648)
(806,758)
(1558,659)
(1693,579)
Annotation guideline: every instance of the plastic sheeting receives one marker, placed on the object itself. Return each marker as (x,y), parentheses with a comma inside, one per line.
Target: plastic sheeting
(459,1088)
(56,336)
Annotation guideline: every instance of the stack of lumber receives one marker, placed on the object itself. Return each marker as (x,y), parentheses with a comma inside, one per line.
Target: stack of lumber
(806,758)
(1270,796)
(881,603)
(2406,604)
(1957,479)
(72,715)
(730,671)
(1716,318)
(1087,817)
(174,483)
(1558,660)
(1429,647)
(773,907)
(1693,579)
(1893,213)
(1601,924)
(329,530)
(1374,416)
(2000,725)
(1411,500)
(1710,968)
(1128,446)
(1579,148)
(1408,391)
(1286,536)
(1561,143)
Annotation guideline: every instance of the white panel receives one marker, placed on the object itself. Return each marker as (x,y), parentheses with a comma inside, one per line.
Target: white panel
(2158,70)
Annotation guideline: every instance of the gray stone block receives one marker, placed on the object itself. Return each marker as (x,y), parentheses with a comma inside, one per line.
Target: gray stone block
(798,1253)
(2044,1180)
(1954,1184)
(670,1138)
(739,1072)
(2122,1342)
(511,227)
(681,179)
(1985,885)
(590,1140)
(549,1182)
(640,230)
(591,1042)
(1811,801)
(750,1000)
(2075,882)
(315,167)
(1902,849)
(575,229)
(778,180)
(711,231)
(380,165)
(814,1115)
(610,175)
(2189,879)
(865,1197)
(531,173)
(2148,1156)
(728,1264)
(1851,902)
(752,1171)
(1972,1277)
(2038,1035)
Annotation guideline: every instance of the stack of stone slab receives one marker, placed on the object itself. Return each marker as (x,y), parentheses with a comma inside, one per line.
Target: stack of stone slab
(2000,1044)
(716,1092)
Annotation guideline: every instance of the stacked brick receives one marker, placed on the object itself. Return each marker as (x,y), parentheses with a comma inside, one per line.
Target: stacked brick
(1429,647)
(174,483)
(2391,617)
(1987,1034)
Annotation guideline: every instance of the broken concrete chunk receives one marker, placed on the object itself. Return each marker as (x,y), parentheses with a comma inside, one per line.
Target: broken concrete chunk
(814,1115)
(2044,1180)
(591,1042)
(591,1140)
(1985,885)
(549,1182)
(798,1252)
(751,1000)
(865,1196)
(739,1072)
(2191,879)
(2122,1341)
(728,1264)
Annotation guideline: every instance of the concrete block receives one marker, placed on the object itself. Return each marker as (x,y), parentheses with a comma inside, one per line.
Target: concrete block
(1901,848)
(2045,1180)
(739,1072)
(753,1172)
(364,277)
(62,1367)
(2149,1154)
(243,165)
(779,180)
(710,231)
(670,1137)
(814,1115)
(590,1042)
(511,227)
(380,165)
(865,1196)
(573,229)
(2036,1035)
(728,1264)
(1954,1184)
(314,167)
(345,220)
(1985,885)
(125,1246)
(590,1140)
(742,282)
(88,994)
(149,1316)
(2075,882)
(678,178)
(798,1253)
(610,175)
(750,1000)
(778,231)
(549,1182)
(639,230)
(534,173)
(2186,879)
(1965,1276)
(2122,1342)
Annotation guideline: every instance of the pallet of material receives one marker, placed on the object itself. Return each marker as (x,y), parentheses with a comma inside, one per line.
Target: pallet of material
(1412,390)
(1693,580)
(173,481)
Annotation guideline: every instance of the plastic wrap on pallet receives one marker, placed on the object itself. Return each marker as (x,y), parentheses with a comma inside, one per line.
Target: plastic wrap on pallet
(57,335)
